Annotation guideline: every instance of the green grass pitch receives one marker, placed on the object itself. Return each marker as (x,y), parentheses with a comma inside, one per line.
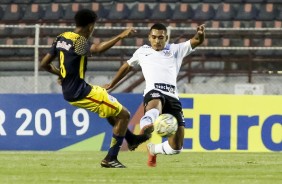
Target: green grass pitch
(84,167)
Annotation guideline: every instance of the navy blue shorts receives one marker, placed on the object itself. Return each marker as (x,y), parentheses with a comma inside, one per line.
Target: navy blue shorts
(170,105)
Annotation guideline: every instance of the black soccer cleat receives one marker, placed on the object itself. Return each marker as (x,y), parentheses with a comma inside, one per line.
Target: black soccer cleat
(139,139)
(112,164)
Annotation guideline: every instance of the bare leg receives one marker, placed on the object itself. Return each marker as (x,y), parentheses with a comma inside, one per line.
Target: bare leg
(176,141)
(121,122)
(152,110)
(154,104)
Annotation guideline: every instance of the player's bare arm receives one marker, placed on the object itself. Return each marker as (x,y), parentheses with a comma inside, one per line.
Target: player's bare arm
(199,36)
(123,71)
(47,65)
(103,46)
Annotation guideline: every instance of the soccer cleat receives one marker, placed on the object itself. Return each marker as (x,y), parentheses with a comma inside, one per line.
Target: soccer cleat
(112,164)
(148,129)
(152,157)
(139,139)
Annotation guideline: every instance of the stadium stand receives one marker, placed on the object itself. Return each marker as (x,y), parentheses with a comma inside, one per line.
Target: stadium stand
(101,11)
(204,12)
(238,42)
(42,1)
(103,1)
(277,43)
(24,52)
(273,1)
(267,12)
(265,42)
(139,11)
(4,32)
(246,12)
(182,11)
(279,14)
(225,12)
(22,31)
(219,15)
(119,11)
(53,12)
(6,52)
(12,13)
(233,1)
(83,1)
(70,10)
(161,11)
(1,12)
(189,1)
(6,1)
(63,1)
(105,30)
(33,12)
(21,1)
(254,1)
(211,1)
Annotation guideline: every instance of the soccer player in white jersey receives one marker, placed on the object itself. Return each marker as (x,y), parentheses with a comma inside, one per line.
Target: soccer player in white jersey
(160,64)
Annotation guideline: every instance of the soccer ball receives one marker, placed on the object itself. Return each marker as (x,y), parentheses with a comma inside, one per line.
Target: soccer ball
(165,125)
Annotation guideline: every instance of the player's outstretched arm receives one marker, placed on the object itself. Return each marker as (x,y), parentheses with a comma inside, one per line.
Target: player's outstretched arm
(123,70)
(199,36)
(103,46)
(47,65)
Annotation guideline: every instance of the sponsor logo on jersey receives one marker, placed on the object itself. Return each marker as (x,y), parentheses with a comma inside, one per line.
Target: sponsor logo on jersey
(167,53)
(112,99)
(165,87)
(155,95)
(64,45)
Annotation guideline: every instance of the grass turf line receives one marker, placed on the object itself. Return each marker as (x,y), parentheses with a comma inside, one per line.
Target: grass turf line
(84,167)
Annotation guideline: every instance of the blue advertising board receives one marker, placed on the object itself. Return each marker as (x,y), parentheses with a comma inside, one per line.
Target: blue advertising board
(48,122)
(225,123)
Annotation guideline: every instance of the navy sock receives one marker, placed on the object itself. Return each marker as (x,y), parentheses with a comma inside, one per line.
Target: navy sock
(115,147)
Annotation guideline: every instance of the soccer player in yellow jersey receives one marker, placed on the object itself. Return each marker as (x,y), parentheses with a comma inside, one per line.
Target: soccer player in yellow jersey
(72,49)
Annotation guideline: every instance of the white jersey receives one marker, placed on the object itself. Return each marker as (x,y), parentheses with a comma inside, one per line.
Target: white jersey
(160,68)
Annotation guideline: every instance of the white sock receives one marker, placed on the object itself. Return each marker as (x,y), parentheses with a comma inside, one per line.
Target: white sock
(165,149)
(149,117)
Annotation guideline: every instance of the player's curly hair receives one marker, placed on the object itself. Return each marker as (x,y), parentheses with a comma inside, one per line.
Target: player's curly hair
(84,17)
(158,26)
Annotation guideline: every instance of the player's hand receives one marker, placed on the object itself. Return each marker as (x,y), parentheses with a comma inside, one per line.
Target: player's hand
(107,86)
(201,29)
(59,80)
(127,32)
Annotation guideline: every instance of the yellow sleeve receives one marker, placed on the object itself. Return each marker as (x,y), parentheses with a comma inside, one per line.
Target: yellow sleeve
(80,46)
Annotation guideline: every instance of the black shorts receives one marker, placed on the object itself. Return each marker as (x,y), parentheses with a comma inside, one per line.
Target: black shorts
(170,105)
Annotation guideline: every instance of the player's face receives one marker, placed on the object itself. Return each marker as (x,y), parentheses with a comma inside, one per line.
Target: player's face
(157,39)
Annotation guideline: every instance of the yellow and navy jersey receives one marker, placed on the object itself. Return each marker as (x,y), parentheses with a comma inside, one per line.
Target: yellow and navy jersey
(72,49)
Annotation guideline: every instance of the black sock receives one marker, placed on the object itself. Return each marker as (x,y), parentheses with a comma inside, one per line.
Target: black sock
(129,136)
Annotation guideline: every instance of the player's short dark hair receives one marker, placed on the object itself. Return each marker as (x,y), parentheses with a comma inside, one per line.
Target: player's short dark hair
(84,17)
(158,26)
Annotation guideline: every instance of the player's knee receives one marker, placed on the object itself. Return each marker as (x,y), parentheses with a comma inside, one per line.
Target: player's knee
(153,114)
(124,114)
(127,114)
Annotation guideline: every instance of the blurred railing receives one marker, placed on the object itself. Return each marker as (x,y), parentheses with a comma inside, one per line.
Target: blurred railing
(211,59)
